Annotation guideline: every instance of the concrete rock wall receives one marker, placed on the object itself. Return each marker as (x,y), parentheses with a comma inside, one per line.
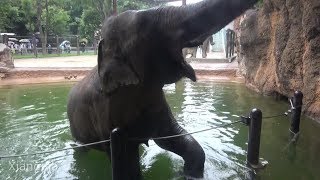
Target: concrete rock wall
(6,61)
(280,50)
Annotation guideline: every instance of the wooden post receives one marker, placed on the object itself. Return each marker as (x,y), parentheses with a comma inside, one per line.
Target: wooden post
(254,138)
(296,112)
(78,47)
(118,155)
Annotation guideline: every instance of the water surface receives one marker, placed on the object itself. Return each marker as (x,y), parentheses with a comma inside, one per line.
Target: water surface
(33,118)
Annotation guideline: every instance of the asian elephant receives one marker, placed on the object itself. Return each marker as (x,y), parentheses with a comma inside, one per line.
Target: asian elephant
(139,53)
(204,48)
(191,50)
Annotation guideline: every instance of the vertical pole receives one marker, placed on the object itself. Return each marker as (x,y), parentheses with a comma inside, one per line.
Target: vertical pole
(296,112)
(184,2)
(118,155)
(78,47)
(254,138)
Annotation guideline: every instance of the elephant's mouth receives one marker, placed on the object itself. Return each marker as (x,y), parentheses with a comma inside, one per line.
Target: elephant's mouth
(188,71)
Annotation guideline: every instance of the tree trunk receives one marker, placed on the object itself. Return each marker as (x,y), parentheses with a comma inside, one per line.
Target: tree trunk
(39,12)
(46,29)
(115,11)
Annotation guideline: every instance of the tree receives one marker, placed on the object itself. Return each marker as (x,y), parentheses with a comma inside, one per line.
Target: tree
(27,7)
(90,22)
(58,21)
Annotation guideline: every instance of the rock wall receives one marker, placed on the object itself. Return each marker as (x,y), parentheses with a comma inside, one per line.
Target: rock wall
(280,50)
(6,60)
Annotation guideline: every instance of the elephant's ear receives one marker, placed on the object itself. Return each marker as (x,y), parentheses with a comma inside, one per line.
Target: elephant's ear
(114,73)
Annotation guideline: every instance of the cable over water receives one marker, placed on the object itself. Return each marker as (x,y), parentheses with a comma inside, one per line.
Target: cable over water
(108,140)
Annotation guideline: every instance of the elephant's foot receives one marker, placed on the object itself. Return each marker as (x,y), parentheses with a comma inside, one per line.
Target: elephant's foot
(186,147)
(194,161)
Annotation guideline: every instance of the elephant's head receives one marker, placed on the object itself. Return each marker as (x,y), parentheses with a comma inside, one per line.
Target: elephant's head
(145,47)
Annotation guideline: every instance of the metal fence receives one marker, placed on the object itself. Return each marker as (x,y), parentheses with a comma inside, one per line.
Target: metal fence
(56,45)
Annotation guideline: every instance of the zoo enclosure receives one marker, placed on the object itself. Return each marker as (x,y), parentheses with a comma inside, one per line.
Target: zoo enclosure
(32,45)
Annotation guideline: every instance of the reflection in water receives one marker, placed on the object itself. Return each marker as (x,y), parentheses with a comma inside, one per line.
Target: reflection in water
(33,118)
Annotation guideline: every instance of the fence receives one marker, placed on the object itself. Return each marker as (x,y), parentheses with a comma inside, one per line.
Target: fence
(254,121)
(56,45)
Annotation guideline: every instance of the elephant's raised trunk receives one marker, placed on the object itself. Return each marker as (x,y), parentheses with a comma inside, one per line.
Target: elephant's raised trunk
(196,22)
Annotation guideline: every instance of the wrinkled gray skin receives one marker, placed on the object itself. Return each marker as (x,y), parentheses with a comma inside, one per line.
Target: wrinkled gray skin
(141,51)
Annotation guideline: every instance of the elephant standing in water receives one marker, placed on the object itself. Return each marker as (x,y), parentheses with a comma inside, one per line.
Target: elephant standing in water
(140,52)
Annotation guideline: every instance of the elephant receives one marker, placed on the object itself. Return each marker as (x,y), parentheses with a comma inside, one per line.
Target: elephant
(191,50)
(141,51)
(204,48)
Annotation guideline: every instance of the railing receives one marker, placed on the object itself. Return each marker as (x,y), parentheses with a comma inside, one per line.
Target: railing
(31,46)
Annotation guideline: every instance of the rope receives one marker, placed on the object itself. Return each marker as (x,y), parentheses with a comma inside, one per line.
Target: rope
(184,134)
(108,140)
(279,115)
(53,151)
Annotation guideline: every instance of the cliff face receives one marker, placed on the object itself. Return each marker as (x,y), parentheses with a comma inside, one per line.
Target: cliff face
(280,50)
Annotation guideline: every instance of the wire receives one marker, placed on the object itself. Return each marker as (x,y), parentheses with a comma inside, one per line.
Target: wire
(108,140)
(184,134)
(53,151)
(279,115)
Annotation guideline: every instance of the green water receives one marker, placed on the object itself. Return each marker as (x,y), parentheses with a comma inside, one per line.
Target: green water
(33,119)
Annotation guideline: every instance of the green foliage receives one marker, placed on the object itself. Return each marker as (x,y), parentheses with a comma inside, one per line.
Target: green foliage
(58,22)
(124,5)
(259,4)
(76,17)
(90,22)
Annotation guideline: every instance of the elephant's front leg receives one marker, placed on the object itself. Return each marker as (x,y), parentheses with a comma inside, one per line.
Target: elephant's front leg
(185,146)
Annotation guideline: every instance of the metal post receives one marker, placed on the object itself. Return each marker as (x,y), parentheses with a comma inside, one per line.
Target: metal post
(296,112)
(78,47)
(118,155)
(254,138)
